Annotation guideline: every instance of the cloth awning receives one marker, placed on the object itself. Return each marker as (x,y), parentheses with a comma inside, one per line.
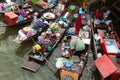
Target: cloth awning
(105,66)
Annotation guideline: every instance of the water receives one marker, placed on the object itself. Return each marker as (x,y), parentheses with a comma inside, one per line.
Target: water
(13,55)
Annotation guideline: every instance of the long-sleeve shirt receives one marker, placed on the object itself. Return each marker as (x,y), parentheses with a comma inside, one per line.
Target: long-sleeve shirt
(22,12)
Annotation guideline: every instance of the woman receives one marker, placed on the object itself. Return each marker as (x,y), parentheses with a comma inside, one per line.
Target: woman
(38,23)
(41,38)
(21,11)
(77,46)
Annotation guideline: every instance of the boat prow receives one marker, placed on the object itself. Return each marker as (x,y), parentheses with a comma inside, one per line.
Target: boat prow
(17,39)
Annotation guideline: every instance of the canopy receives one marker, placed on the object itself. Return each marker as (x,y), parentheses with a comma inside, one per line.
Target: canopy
(105,66)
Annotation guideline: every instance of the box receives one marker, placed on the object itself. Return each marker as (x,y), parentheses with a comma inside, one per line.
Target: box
(109,46)
(11,17)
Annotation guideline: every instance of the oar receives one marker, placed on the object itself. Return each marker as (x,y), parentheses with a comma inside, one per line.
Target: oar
(52,67)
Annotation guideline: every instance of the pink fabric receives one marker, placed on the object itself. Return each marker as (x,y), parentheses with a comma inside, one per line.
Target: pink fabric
(78,24)
(1,7)
(29,34)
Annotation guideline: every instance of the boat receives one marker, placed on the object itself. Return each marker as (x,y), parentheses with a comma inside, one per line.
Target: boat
(10,21)
(30,10)
(58,33)
(72,67)
(106,47)
(78,64)
(48,17)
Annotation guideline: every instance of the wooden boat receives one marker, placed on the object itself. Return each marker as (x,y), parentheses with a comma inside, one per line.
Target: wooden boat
(42,58)
(78,64)
(61,32)
(105,46)
(46,54)
(46,18)
(28,8)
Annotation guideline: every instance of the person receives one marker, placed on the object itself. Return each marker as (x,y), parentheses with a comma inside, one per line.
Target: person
(21,11)
(41,38)
(77,46)
(38,23)
(47,41)
(65,48)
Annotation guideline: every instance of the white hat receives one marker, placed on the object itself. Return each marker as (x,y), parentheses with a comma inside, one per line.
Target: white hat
(26,29)
(35,13)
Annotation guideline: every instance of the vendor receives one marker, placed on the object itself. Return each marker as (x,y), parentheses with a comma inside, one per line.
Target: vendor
(47,41)
(41,38)
(38,23)
(65,48)
(77,46)
(21,11)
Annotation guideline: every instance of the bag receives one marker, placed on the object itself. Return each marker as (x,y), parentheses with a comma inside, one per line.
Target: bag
(49,48)
(20,18)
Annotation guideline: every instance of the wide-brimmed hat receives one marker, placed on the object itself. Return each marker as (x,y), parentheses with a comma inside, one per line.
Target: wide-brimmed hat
(26,29)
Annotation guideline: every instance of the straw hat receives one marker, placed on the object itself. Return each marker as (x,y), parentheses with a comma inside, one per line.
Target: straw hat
(26,29)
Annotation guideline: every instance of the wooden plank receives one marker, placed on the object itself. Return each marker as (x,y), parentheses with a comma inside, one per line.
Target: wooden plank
(105,66)
(31,65)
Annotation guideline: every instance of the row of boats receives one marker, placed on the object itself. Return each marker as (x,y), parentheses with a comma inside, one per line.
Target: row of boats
(70,68)
(57,23)
(105,46)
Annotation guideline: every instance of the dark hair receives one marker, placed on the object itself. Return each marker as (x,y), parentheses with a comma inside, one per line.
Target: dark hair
(69,37)
(20,6)
(65,41)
